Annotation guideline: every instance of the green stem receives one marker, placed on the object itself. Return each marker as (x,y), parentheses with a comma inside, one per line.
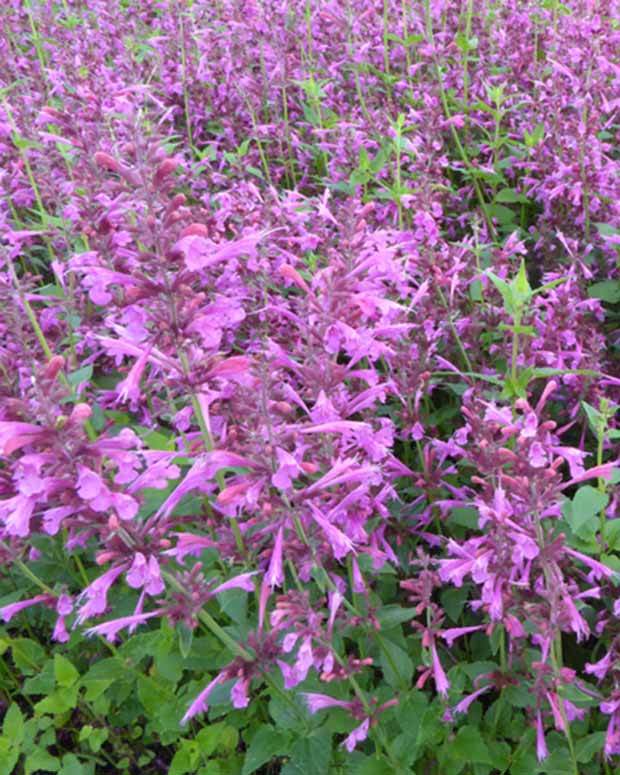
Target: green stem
(188,122)
(455,135)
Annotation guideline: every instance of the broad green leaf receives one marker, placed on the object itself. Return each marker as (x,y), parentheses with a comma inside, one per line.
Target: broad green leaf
(64,672)
(266,744)
(470,747)
(27,655)
(582,512)
(41,761)
(13,725)
(606,290)
(393,615)
(310,755)
(589,746)
(510,196)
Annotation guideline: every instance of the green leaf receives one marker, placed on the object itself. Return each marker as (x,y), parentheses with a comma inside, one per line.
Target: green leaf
(589,746)
(510,196)
(217,737)
(465,517)
(503,214)
(521,285)
(71,765)
(266,744)
(13,725)
(606,290)
(470,747)
(453,601)
(506,291)
(81,375)
(41,760)
(373,765)
(64,672)
(27,655)
(310,755)
(153,695)
(397,665)
(595,418)
(582,512)
(393,615)
(9,756)
(60,701)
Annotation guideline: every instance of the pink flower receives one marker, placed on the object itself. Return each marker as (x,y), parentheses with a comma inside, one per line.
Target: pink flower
(288,469)
(15,435)
(358,735)
(451,634)
(316,702)
(201,703)
(16,513)
(201,253)
(64,606)
(129,388)
(274,576)
(145,573)
(441,681)
(111,629)
(242,581)
(239,693)
(96,594)
(463,705)
(341,545)
(7,612)
(541,746)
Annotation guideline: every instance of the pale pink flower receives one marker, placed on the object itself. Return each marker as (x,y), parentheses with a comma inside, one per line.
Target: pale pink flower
(358,735)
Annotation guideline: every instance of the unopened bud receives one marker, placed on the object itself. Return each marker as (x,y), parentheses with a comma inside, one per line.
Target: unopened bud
(195,230)
(113,522)
(283,407)
(106,162)
(54,365)
(80,413)
(104,557)
(290,273)
(166,168)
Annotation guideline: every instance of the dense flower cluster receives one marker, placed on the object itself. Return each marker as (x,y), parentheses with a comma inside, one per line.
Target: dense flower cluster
(318,302)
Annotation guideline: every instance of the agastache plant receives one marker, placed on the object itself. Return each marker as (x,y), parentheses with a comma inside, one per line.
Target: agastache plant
(309,387)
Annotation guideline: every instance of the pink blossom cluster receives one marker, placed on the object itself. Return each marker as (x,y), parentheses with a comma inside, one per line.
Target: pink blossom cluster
(273,354)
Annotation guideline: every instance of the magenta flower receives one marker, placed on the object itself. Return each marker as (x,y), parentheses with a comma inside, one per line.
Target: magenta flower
(111,629)
(96,595)
(358,735)
(201,703)
(541,746)
(145,573)
(317,702)
(274,577)
(7,612)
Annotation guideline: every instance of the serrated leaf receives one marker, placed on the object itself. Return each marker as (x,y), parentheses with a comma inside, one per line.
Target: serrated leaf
(266,744)
(393,615)
(41,761)
(510,196)
(470,747)
(13,725)
(310,755)
(64,672)
(606,290)
(582,512)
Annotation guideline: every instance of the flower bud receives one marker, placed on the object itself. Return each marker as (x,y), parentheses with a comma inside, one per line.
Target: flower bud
(104,557)
(166,168)
(80,413)
(53,367)
(195,230)
(106,162)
